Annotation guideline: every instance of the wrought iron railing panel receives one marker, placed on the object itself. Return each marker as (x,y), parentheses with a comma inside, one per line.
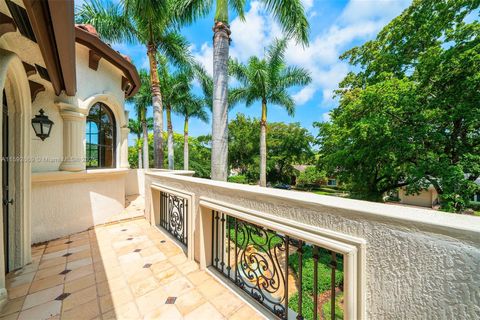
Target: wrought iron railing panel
(174,216)
(289,277)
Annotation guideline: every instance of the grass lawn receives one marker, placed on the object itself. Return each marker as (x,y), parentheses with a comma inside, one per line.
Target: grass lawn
(326,308)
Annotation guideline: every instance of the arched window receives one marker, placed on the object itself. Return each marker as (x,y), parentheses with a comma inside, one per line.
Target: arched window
(101,136)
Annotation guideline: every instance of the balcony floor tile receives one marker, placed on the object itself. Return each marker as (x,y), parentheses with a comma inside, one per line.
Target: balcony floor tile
(111,277)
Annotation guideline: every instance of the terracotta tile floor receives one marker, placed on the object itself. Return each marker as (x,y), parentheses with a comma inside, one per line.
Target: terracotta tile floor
(120,271)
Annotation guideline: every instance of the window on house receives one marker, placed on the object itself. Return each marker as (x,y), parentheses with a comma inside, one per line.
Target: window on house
(476,197)
(100,136)
(332,182)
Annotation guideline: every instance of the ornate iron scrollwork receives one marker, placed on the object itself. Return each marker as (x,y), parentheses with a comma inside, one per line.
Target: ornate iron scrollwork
(260,261)
(173,216)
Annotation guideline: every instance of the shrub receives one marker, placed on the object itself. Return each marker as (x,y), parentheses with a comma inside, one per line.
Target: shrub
(238,179)
(311,177)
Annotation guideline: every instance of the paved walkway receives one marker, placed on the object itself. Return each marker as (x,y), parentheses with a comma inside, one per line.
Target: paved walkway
(126,270)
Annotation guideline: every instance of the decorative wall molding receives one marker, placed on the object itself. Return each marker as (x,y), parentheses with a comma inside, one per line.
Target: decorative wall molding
(6,24)
(29,69)
(93,60)
(35,88)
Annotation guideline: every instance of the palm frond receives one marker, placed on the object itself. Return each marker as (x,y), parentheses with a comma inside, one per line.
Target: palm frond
(294,76)
(187,11)
(176,48)
(291,16)
(135,126)
(238,70)
(110,20)
(276,54)
(283,99)
(239,7)
(146,10)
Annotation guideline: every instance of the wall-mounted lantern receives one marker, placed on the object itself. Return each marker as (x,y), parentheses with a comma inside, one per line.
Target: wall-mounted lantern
(42,125)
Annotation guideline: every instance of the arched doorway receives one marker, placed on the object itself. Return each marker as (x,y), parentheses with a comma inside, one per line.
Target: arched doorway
(15,173)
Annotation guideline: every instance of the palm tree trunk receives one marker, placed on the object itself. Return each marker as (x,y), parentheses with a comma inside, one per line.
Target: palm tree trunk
(171,165)
(221,42)
(157,107)
(139,136)
(145,145)
(139,158)
(185,145)
(263,145)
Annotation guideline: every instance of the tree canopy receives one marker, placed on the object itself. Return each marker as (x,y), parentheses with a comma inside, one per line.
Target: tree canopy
(410,114)
(289,144)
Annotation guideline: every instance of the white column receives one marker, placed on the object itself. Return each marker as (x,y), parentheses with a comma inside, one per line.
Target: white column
(124,131)
(74,123)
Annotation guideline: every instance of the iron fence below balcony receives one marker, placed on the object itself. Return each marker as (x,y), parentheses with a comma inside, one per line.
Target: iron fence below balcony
(174,216)
(289,277)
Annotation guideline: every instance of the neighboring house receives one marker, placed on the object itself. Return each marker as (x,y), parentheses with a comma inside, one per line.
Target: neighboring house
(426,198)
(332,182)
(476,198)
(80,83)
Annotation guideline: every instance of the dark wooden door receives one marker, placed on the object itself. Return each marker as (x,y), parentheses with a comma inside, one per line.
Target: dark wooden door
(5,195)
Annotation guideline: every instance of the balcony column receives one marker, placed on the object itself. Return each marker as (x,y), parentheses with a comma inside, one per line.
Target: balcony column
(74,122)
(124,131)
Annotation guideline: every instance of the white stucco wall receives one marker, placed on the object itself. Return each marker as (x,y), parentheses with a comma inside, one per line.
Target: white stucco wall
(420,264)
(47,155)
(426,198)
(67,203)
(106,79)
(135,182)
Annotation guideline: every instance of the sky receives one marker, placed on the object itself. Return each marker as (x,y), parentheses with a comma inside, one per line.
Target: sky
(336,26)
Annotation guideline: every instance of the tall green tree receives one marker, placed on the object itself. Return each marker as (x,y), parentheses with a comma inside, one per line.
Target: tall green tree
(135,127)
(176,88)
(141,102)
(290,14)
(190,107)
(289,144)
(151,23)
(409,116)
(268,81)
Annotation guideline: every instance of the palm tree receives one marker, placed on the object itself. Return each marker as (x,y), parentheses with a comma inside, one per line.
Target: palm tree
(268,80)
(176,88)
(151,23)
(190,107)
(142,101)
(290,14)
(135,127)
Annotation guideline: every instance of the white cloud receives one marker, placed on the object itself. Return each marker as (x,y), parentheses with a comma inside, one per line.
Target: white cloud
(307,4)
(304,95)
(367,10)
(249,36)
(359,21)
(204,56)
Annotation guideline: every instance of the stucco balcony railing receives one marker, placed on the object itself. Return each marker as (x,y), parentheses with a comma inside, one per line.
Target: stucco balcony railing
(300,255)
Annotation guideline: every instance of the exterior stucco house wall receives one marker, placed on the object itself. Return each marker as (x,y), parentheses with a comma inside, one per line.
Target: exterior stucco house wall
(48,63)
(425,198)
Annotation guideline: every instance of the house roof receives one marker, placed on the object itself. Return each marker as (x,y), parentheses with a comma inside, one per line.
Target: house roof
(56,34)
(88,36)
